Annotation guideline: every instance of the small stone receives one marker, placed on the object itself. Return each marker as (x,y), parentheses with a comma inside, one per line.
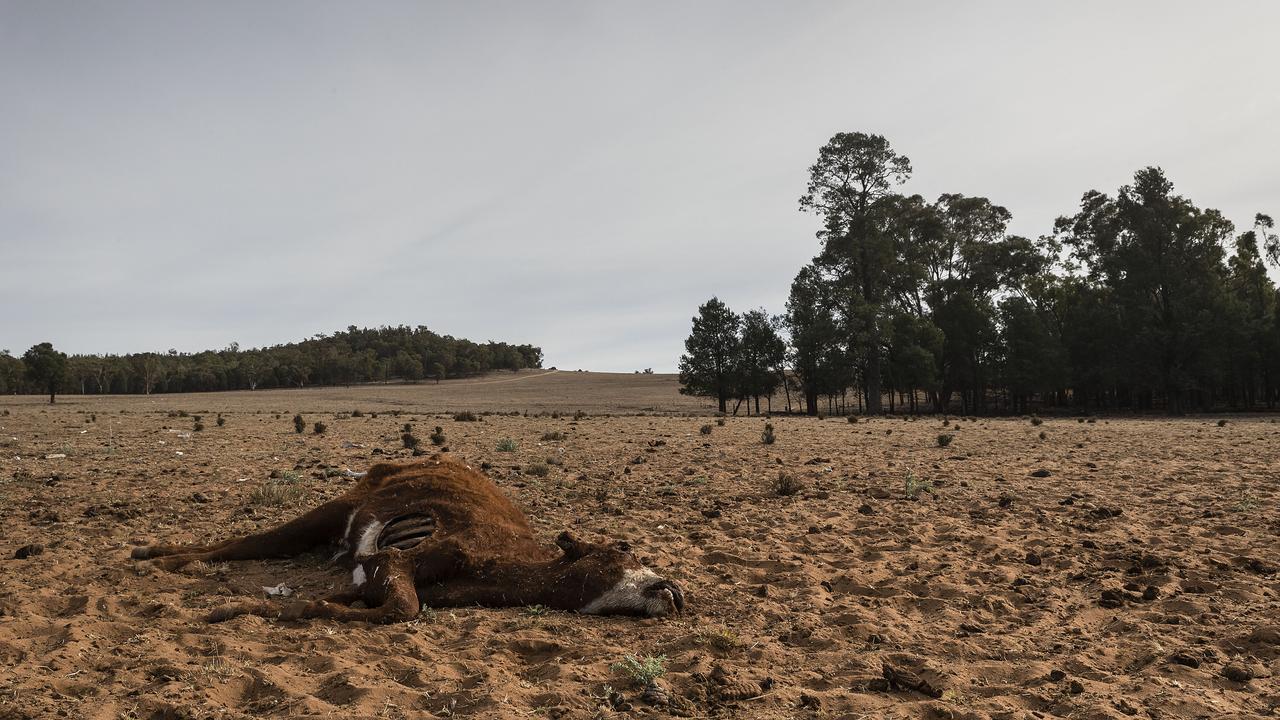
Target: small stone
(711,514)
(1057,676)
(27,551)
(655,695)
(1187,659)
(865,509)
(1033,559)
(1112,598)
(1151,593)
(1235,672)
(1075,687)
(1041,473)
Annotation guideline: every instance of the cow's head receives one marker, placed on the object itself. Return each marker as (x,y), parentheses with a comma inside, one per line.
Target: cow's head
(608,580)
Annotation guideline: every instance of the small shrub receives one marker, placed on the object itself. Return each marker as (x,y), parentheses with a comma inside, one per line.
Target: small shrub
(221,420)
(410,441)
(579,415)
(1035,420)
(93,417)
(720,638)
(507,445)
(853,419)
(912,486)
(319,428)
(357,413)
(1044,435)
(767,437)
(1222,423)
(945,439)
(464,416)
(198,426)
(278,491)
(720,421)
(183,413)
(553,436)
(538,470)
(785,485)
(407,428)
(437,437)
(705,429)
(641,671)
(299,424)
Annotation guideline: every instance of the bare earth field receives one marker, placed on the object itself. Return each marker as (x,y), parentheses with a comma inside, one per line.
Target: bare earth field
(1112,569)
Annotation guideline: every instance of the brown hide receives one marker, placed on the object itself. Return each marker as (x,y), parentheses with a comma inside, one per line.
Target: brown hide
(438,533)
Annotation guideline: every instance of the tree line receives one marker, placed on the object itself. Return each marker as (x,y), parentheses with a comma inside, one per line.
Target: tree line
(356,355)
(1139,301)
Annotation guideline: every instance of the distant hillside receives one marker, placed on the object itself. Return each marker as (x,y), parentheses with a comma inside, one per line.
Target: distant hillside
(355,355)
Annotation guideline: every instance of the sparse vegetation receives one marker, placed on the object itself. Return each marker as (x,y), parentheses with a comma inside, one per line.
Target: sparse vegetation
(410,441)
(437,437)
(538,470)
(705,429)
(785,485)
(465,416)
(221,421)
(718,637)
(767,437)
(197,426)
(278,491)
(553,436)
(944,439)
(299,425)
(641,671)
(507,445)
(319,428)
(912,486)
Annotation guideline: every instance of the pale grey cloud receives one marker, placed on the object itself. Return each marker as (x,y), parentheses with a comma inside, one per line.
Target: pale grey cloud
(579,175)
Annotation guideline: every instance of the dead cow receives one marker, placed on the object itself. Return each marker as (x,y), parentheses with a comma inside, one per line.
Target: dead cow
(437,533)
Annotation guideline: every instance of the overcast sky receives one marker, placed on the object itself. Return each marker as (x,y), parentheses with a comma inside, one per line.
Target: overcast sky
(575,175)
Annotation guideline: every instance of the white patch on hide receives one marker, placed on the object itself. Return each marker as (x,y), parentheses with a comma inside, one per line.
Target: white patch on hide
(358,576)
(367,544)
(628,595)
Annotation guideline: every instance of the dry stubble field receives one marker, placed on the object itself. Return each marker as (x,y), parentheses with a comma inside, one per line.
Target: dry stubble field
(1112,569)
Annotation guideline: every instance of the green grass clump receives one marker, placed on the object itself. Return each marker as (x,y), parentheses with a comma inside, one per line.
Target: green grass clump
(641,671)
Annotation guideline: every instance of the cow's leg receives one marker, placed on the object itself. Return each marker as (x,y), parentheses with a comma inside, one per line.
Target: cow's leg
(322,525)
(389,592)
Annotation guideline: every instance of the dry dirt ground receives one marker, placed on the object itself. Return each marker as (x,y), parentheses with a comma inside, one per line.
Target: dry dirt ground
(1109,569)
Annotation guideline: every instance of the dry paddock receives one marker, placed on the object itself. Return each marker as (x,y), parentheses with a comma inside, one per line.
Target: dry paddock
(1109,569)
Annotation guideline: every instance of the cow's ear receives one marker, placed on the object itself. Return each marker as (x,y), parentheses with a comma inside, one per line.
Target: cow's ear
(573,547)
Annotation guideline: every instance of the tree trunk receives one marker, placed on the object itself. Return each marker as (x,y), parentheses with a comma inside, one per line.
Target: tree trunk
(873,379)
